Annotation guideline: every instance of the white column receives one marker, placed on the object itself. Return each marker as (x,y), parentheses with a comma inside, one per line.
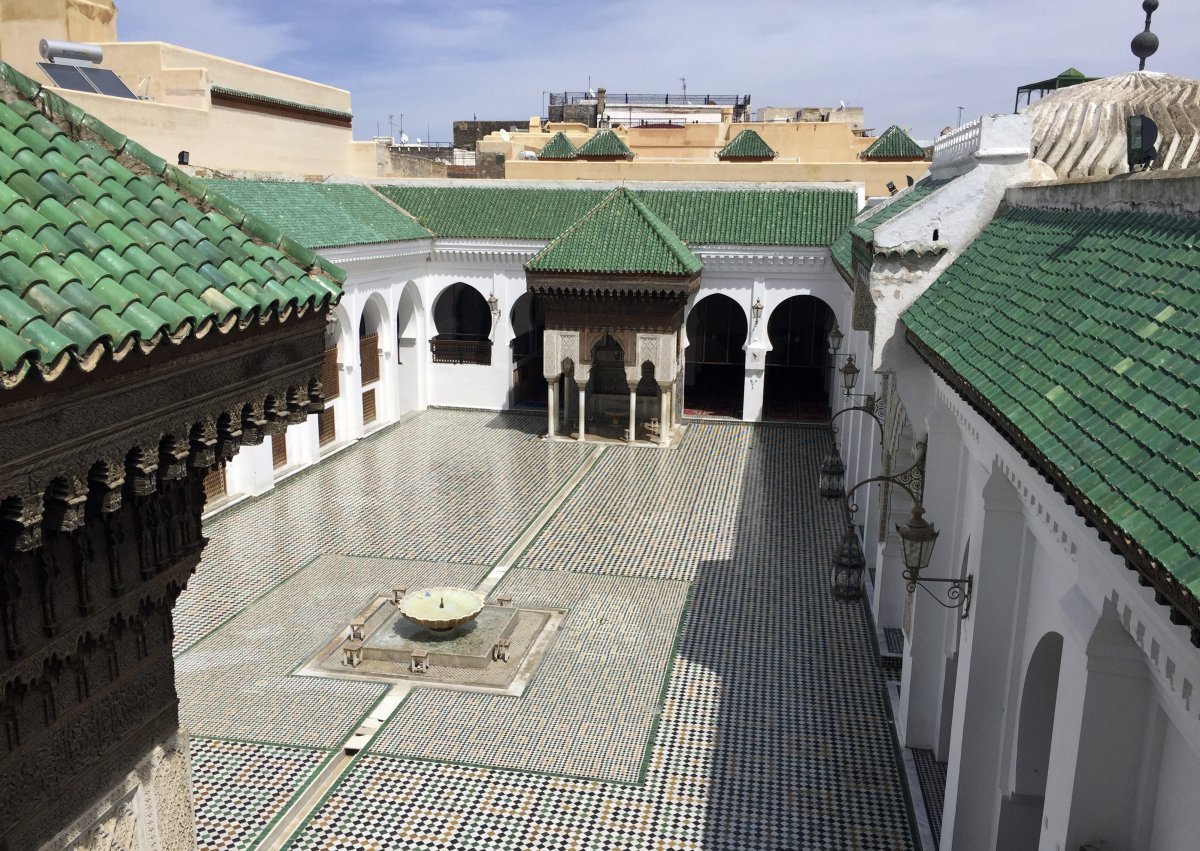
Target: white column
(551,406)
(582,409)
(632,413)
(664,414)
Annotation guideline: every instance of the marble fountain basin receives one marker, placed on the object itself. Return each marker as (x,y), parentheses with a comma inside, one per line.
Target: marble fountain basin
(441,609)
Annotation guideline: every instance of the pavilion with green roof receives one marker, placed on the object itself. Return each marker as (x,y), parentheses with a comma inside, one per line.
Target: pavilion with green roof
(747,147)
(893,145)
(605,145)
(614,287)
(558,148)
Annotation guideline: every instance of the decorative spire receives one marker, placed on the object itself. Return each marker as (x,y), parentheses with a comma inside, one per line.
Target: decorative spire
(1145,43)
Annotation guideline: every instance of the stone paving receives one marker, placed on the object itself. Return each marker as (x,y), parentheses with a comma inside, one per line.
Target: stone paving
(707,692)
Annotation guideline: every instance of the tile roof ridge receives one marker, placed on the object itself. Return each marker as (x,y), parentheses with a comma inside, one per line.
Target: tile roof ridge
(671,240)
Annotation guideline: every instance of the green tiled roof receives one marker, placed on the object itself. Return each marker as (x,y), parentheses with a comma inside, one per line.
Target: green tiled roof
(698,216)
(274,101)
(323,215)
(106,248)
(606,143)
(558,148)
(894,144)
(617,236)
(746,145)
(842,248)
(1080,331)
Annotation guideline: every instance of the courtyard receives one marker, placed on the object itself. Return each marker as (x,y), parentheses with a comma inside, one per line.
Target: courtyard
(704,690)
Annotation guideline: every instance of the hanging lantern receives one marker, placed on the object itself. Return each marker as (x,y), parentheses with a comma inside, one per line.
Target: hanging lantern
(917,538)
(849,374)
(832,478)
(846,574)
(835,339)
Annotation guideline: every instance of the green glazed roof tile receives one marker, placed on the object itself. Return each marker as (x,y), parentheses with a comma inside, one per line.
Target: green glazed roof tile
(318,215)
(606,143)
(698,216)
(894,143)
(95,257)
(1102,388)
(747,145)
(558,148)
(864,229)
(618,236)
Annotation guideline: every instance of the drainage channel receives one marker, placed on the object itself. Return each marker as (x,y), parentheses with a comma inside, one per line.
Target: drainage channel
(303,806)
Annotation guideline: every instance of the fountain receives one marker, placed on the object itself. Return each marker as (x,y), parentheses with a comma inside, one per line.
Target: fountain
(441,609)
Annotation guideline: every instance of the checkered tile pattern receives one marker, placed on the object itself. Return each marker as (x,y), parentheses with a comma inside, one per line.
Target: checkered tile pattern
(236,683)
(240,787)
(932,776)
(413,491)
(591,706)
(771,732)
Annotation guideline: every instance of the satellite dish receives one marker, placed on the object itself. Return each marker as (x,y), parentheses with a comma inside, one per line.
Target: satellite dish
(504,134)
(841,104)
(418,140)
(403,138)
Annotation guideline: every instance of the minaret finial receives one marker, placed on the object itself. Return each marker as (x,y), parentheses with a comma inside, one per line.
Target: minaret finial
(1145,43)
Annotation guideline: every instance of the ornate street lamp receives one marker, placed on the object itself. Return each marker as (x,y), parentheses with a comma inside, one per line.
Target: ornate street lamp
(835,340)
(494,306)
(757,308)
(917,536)
(849,374)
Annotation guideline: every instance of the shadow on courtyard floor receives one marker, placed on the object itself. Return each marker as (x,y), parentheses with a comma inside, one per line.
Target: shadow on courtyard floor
(802,755)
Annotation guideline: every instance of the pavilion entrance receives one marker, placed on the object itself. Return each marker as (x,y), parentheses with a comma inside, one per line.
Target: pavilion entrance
(614,287)
(715,360)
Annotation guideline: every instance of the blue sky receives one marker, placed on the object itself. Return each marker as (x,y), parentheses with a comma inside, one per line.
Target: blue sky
(912,63)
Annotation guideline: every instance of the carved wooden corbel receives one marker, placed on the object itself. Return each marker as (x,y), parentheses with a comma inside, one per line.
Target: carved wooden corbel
(105,481)
(297,405)
(254,423)
(172,458)
(66,501)
(316,396)
(21,524)
(141,472)
(203,441)
(277,416)
(229,436)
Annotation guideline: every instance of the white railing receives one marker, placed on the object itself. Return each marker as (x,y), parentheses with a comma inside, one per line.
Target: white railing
(958,144)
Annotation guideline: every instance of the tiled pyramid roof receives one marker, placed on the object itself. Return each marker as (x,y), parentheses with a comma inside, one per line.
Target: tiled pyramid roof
(1077,332)
(606,143)
(323,215)
(894,144)
(105,248)
(698,216)
(747,145)
(618,236)
(558,148)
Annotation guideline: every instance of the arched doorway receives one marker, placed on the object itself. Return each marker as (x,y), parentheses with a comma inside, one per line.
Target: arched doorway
(409,333)
(797,373)
(528,323)
(370,324)
(715,360)
(464,326)
(1021,812)
(608,389)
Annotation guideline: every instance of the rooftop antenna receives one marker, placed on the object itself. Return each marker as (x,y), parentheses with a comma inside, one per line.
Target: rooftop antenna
(960,112)
(391,126)
(1145,43)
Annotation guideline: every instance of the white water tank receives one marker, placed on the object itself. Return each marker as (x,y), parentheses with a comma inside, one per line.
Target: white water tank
(52,49)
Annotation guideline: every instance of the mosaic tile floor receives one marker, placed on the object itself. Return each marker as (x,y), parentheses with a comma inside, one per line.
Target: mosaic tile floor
(240,787)
(707,692)
(932,776)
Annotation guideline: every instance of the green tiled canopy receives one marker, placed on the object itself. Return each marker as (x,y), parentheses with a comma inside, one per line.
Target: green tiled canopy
(606,143)
(1081,329)
(323,215)
(618,236)
(558,148)
(697,216)
(894,144)
(105,248)
(747,145)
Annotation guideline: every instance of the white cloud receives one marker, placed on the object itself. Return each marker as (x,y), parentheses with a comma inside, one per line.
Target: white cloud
(221,27)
